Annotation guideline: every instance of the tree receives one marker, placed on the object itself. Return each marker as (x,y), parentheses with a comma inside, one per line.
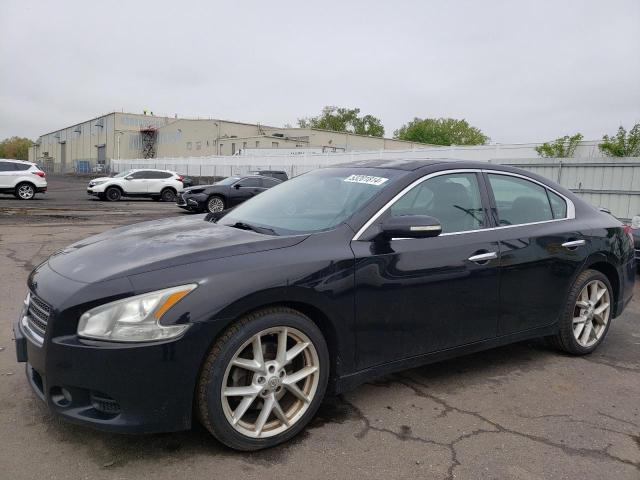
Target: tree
(622,144)
(441,131)
(15,147)
(339,119)
(563,147)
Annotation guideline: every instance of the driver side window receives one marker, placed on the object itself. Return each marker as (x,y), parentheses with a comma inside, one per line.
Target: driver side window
(454,199)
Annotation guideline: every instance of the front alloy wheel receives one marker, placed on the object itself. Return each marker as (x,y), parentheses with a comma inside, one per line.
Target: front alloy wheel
(264,379)
(215,204)
(270,382)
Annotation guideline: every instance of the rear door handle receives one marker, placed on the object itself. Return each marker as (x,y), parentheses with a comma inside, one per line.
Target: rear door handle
(573,244)
(483,257)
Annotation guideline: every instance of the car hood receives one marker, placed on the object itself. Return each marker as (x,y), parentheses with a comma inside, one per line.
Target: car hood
(148,246)
(99,179)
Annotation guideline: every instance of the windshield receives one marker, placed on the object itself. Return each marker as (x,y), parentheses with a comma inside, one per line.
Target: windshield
(228,181)
(318,200)
(122,174)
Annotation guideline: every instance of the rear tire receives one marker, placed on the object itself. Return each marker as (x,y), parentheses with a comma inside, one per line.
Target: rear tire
(168,195)
(25,191)
(587,315)
(113,194)
(251,402)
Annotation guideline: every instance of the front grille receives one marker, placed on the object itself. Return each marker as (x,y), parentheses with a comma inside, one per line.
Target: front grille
(38,316)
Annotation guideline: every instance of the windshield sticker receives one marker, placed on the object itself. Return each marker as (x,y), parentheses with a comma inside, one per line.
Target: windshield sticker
(368,179)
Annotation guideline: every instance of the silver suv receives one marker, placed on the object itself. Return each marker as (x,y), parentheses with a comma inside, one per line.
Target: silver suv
(22,179)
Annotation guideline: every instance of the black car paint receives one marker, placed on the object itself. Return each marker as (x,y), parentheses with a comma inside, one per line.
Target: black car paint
(354,291)
(195,198)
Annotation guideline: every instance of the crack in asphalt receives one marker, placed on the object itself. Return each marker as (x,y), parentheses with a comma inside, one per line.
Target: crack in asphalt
(406,435)
(620,368)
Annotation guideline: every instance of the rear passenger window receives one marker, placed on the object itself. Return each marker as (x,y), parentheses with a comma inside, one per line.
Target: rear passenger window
(21,166)
(519,201)
(270,182)
(558,205)
(250,182)
(6,167)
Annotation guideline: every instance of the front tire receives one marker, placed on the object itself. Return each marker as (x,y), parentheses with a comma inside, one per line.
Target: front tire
(586,318)
(113,194)
(263,379)
(215,204)
(25,191)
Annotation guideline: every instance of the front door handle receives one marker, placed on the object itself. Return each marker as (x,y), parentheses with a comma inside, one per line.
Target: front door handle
(573,244)
(483,257)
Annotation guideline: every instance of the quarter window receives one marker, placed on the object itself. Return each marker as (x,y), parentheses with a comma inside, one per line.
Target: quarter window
(454,199)
(558,205)
(519,201)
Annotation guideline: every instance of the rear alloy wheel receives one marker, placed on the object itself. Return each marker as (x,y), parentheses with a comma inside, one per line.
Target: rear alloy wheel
(215,204)
(25,191)
(587,316)
(263,380)
(113,194)
(591,314)
(168,195)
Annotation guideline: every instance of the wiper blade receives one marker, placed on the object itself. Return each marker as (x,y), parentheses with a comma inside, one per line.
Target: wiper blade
(254,228)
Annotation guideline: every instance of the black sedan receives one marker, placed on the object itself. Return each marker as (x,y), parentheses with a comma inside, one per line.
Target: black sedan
(245,319)
(224,194)
(635,231)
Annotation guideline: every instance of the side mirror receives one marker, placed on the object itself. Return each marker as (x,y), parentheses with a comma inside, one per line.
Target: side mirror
(237,186)
(130,177)
(411,226)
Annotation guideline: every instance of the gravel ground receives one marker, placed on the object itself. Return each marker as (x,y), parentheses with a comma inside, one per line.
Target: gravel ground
(518,412)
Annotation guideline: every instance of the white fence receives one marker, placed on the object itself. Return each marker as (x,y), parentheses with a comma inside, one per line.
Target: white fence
(613,183)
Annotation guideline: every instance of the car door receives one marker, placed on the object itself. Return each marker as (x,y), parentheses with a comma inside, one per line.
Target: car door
(157,180)
(542,248)
(416,296)
(244,189)
(137,183)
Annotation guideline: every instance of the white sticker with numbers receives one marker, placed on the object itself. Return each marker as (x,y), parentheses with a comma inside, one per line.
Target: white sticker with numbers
(368,179)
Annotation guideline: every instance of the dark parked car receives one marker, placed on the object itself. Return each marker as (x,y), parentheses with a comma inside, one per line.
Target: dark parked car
(246,318)
(279,174)
(224,194)
(635,231)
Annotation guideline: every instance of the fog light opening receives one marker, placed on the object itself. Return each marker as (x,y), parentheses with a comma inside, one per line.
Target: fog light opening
(61,396)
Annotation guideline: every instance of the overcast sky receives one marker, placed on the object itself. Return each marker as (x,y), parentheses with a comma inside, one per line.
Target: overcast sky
(519,70)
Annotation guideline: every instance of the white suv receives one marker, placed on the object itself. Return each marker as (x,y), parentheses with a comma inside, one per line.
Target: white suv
(157,184)
(22,179)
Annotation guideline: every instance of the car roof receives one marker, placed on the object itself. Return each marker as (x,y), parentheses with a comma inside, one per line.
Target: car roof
(148,169)
(397,164)
(16,160)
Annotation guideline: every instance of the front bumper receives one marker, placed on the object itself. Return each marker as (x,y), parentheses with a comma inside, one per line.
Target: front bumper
(118,387)
(113,387)
(191,202)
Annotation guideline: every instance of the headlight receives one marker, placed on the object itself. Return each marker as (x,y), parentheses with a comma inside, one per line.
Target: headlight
(134,319)
(97,182)
(195,190)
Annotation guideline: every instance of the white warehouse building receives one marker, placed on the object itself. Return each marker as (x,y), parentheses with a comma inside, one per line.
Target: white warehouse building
(88,146)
